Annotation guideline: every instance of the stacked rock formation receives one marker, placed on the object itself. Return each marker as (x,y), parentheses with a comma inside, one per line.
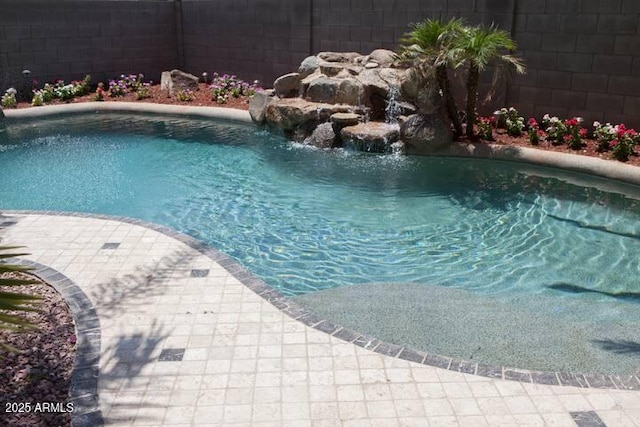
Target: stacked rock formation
(342,98)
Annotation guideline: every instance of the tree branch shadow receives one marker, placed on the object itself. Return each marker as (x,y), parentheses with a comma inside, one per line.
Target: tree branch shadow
(114,297)
(619,347)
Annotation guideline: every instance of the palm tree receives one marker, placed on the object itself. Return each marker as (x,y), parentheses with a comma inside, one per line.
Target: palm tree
(11,302)
(479,47)
(430,43)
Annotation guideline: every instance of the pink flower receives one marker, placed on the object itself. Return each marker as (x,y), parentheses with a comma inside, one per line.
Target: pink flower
(567,138)
(532,123)
(613,143)
(582,133)
(540,133)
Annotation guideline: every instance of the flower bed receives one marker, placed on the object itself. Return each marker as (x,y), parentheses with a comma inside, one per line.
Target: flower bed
(506,126)
(614,142)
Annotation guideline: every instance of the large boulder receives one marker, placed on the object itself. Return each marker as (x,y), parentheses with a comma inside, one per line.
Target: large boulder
(175,80)
(258,104)
(373,137)
(350,91)
(339,56)
(425,134)
(377,83)
(288,85)
(309,65)
(333,69)
(323,89)
(382,57)
(323,136)
(292,114)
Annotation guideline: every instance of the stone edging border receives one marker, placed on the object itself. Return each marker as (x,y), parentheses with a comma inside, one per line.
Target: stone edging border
(301,314)
(84,377)
(564,161)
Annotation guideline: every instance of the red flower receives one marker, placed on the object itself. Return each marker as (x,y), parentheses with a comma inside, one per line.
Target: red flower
(632,133)
(540,133)
(567,138)
(613,143)
(621,130)
(582,133)
(532,123)
(571,122)
(492,119)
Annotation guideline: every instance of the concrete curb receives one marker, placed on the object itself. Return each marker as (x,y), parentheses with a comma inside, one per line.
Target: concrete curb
(130,107)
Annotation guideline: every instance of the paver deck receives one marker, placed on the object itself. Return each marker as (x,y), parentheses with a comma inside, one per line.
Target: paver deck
(183,342)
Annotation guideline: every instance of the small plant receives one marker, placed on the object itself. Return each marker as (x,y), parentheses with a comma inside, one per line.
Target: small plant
(185,95)
(574,133)
(8,100)
(515,127)
(534,132)
(100,92)
(37,100)
(485,127)
(63,91)
(229,86)
(143,91)
(510,119)
(604,134)
(555,128)
(47,93)
(624,145)
(117,88)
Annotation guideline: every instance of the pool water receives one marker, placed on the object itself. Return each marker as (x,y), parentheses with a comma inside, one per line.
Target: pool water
(306,220)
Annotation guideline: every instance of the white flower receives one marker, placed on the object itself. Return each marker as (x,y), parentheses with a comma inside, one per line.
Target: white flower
(12,91)
(596,124)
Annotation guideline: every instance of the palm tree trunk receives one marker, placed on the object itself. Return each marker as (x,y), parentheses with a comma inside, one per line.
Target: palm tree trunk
(450,102)
(472,95)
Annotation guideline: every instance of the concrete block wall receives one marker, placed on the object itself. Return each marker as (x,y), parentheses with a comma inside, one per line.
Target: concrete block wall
(254,39)
(583,59)
(583,56)
(66,39)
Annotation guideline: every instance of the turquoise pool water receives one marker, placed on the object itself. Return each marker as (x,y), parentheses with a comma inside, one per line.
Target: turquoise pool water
(306,219)
(528,266)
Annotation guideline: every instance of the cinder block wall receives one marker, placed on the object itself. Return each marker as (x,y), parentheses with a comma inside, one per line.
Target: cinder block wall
(254,39)
(583,56)
(66,39)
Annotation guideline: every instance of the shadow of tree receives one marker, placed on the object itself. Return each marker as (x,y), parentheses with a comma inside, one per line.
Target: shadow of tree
(135,289)
(619,347)
(124,363)
(126,358)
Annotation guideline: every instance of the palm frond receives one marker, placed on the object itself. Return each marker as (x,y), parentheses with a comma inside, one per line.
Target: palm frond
(12,303)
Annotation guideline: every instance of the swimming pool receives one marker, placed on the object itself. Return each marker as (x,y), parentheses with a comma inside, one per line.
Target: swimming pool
(309,220)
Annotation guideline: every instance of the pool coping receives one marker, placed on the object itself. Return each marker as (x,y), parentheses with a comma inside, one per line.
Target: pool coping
(613,170)
(309,318)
